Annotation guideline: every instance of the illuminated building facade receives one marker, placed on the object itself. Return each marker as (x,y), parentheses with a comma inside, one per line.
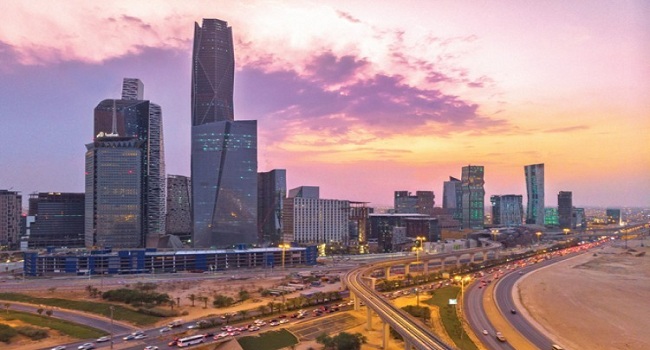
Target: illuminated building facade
(473,200)
(550,217)
(535,193)
(613,216)
(224,151)
(452,198)
(311,220)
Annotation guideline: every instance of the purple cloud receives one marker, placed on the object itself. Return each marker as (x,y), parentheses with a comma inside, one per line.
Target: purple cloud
(347,16)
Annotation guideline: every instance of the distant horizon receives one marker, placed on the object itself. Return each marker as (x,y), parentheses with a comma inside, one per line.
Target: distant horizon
(360,99)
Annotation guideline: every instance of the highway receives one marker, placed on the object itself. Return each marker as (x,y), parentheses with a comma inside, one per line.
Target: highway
(478,320)
(413,332)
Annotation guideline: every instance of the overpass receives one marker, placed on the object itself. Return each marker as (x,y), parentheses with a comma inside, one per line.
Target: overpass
(415,335)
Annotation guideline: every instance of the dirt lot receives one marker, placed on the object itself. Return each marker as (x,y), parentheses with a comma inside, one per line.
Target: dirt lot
(594,301)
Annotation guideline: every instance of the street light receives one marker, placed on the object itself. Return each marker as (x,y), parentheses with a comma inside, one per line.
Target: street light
(112,308)
(419,242)
(284,247)
(495,232)
(566,231)
(538,233)
(462,281)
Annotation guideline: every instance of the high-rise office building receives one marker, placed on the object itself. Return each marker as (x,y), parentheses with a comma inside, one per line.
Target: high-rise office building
(224,151)
(472,181)
(114,193)
(313,220)
(507,210)
(452,198)
(535,193)
(421,203)
(58,220)
(271,192)
(10,212)
(565,209)
(124,124)
(179,210)
(550,217)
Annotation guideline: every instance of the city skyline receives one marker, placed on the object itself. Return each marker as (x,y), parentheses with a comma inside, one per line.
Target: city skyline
(347,94)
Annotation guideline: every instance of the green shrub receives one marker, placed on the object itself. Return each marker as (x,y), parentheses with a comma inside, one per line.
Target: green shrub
(6,333)
(159,312)
(32,333)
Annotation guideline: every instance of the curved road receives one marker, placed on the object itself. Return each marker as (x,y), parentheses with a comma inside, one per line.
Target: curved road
(418,335)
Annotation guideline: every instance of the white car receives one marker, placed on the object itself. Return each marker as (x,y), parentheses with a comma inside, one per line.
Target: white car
(151,347)
(60,347)
(86,346)
(140,336)
(165,329)
(103,339)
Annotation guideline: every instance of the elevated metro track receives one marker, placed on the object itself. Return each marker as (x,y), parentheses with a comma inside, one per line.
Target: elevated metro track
(414,333)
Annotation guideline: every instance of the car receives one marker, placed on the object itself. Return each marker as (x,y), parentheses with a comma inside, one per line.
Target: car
(221,335)
(86,346)
(140,336)
(165,329)
(283,321)
(151,347)
(103,339)
(192,326)
(253,329)
(234,333)
(485,332)
(274,323)
(60,347)
(500,337)
(513,311)
(129,337)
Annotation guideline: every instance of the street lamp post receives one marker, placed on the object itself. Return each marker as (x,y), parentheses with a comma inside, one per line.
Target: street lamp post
(419,242)
(112,308)
(462,281)
(284,247)
(538,233)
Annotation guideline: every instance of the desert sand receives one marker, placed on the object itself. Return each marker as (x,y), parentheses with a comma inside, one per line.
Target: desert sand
(598,300)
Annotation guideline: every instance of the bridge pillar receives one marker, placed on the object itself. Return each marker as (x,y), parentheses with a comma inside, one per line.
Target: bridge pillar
(471,258)
(369,317)
(425,268)
(387,273)
(407,269)
(458,261)
(385,335)
(407,345)
(373,282)
(356,302)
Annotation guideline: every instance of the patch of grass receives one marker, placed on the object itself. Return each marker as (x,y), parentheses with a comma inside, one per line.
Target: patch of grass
(120,313)
(65,327)
(449,318)
(270,340)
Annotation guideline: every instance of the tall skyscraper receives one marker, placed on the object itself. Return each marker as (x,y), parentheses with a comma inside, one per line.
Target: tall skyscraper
(565,209)
(507,210)
(120,126)
(473,201)
(10,211)
(224,151)
(421,203)
(58,220)
(179,210)
(613,216)
(271,193)
(452,198)
(535,193)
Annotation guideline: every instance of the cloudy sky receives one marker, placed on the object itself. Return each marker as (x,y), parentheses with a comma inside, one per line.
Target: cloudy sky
(361,98)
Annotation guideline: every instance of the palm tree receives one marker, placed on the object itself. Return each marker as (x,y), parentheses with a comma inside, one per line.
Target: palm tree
(271,306)
(192,298)
(7,305)
(242,314)
(40,311)
(262,309)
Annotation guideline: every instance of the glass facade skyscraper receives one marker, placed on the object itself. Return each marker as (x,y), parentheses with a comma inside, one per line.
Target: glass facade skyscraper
(271,193)
(129,119)
(565,209)
(535,193)
(59,220)
(224,151)
(452,198)
(179,209)
(473,202)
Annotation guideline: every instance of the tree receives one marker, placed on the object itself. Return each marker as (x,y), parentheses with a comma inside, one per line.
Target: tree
(205,301)
(192,298)
(271,306)
(343,341)
(262,309)
(49,312)
(40,310)
(242,314)
(243,295)
(7,305)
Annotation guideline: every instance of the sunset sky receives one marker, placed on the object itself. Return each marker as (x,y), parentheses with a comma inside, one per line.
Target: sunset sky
(360,98)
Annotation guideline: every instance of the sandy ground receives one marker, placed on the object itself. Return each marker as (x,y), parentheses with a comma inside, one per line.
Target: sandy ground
(597,300)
